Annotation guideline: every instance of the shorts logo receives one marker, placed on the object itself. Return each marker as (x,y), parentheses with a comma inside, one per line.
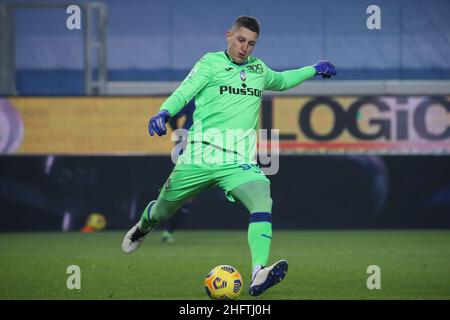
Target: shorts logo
(255,68)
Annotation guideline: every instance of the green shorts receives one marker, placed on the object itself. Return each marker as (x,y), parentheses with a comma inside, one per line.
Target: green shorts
(187,180)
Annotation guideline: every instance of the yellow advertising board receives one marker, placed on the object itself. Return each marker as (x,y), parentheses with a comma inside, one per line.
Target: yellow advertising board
(85,125)
(362,124)
(118,125)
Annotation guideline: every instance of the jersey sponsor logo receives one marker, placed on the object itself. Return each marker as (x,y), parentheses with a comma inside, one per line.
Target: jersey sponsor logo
(255,68)
(241,91)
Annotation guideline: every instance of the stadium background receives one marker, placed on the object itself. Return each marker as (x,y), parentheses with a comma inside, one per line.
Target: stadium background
(57,144)
(75,106)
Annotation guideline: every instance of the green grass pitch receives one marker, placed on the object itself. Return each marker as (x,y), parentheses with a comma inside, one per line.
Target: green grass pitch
(322,264)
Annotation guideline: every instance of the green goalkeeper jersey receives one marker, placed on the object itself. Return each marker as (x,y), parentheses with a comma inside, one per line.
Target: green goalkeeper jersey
(227,99)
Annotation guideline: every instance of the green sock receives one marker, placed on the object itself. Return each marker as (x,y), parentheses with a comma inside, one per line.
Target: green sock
(259,240)
(145,223)
(160,210)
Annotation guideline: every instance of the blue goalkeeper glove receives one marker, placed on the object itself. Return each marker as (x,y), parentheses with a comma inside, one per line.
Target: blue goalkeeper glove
(325,68)
(158,123)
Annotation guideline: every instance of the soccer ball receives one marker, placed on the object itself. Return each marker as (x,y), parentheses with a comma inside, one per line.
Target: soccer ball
(223,283)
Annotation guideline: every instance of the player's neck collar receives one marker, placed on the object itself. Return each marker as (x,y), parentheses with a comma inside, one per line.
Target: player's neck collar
(229,58)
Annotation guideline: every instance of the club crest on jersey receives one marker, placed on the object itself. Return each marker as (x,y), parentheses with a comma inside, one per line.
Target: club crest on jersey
(243,75)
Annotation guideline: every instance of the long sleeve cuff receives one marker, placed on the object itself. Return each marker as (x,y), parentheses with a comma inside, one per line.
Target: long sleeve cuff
(174,103)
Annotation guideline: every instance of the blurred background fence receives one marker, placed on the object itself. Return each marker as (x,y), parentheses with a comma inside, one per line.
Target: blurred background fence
(368,149)
(158,40)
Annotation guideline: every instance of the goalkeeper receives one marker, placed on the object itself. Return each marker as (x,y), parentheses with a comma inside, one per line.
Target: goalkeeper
(227,87)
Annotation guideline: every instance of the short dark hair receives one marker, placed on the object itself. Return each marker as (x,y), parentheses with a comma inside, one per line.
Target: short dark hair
(250,23)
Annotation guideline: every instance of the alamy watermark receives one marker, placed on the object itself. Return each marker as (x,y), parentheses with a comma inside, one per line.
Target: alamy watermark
(222,146)
(374,20)
(73,21)
(374,280)
(74,280)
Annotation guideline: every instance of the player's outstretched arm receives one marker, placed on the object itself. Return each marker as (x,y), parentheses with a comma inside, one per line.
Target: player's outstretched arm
(280,81)
(157,123)
(197,79)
